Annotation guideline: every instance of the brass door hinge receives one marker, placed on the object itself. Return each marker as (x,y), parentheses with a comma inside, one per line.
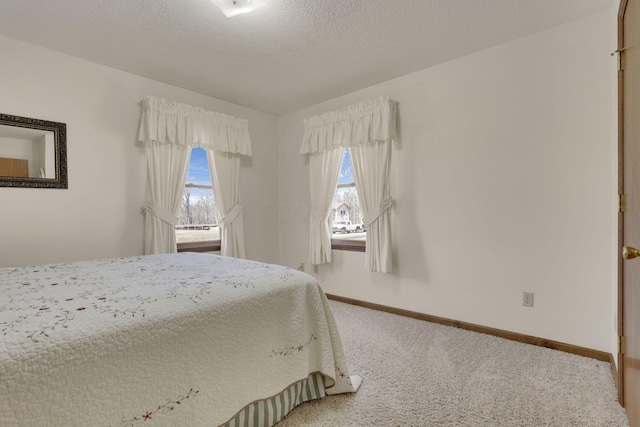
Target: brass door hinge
(620,53)
(621,344)
(621,202)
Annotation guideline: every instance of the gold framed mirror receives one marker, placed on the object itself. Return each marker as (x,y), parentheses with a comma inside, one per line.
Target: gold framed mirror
(33,153)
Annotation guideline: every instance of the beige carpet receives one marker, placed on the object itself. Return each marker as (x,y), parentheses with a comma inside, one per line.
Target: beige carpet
(423,374)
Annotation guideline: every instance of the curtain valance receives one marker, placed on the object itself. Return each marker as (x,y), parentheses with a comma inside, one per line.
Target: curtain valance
(368,121)
(182,124)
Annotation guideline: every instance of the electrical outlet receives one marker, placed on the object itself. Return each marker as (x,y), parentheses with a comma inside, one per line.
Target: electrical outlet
(301,268)
(527,299)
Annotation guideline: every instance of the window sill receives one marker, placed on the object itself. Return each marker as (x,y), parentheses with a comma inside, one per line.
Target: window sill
(349,245)
(207,246)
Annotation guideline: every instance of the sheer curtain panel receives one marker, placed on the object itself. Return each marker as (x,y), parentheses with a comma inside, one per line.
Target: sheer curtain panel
(169,129)
(371,163)
(368,130)
(167,166)
(325,168)
(225,176)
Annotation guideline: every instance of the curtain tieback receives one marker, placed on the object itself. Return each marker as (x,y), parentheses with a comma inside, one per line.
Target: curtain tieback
(231,215)
(376,212)
(161,213)
(318,213)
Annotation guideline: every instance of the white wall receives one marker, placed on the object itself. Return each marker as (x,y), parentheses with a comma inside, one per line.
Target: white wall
(502,181)
(99,215)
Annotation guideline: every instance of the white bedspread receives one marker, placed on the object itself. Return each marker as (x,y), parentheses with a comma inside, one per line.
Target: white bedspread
(162,340)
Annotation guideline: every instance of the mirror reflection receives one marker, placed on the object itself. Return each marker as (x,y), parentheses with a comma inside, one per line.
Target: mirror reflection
(27,153)
(32,153)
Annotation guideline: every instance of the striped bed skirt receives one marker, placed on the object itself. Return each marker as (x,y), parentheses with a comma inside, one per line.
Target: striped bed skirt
(267,412)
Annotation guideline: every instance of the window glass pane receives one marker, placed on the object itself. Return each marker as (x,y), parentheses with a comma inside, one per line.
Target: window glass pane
(347,212)
(198,217)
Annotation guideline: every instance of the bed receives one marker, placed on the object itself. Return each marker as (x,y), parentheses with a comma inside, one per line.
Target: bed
(164,340)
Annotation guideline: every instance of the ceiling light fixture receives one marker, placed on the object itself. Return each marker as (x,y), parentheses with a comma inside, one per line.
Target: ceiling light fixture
(236,7)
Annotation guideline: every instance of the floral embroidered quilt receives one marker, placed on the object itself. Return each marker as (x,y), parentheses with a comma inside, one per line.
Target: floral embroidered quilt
(161,340)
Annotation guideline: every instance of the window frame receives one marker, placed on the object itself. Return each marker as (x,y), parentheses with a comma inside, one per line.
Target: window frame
(205,245)
(349,245)
(344,244)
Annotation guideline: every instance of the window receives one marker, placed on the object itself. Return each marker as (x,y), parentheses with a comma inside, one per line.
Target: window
(348,229)
(198,227)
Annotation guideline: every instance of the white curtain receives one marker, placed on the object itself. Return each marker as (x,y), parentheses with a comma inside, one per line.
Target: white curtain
(325,169)
(367,129)
(225,176)
(182,124)
(167,166)
(371,163)
(169,130)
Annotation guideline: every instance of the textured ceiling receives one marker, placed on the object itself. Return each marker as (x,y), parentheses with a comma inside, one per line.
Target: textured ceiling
(286,55)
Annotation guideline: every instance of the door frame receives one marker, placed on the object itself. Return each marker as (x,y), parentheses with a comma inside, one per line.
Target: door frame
(620,377)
